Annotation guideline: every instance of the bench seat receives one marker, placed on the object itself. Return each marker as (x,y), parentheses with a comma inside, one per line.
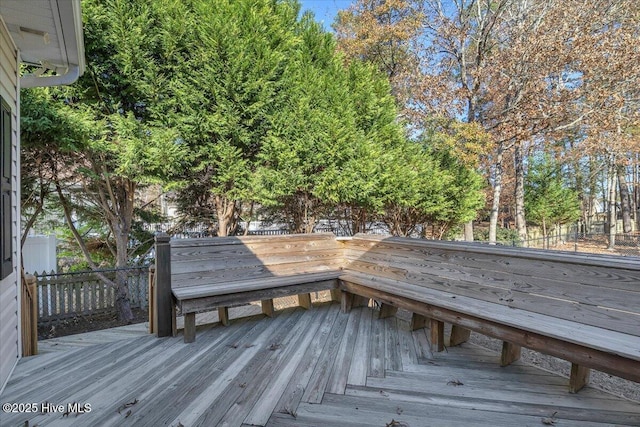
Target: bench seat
(221,296)
(222,272)
(605,350)
(581,308)
(185,294)
(196,298)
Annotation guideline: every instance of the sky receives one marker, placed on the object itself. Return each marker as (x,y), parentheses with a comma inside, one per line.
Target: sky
(325,10)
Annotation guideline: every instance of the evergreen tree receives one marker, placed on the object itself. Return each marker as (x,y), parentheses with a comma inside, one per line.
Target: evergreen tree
(548,199)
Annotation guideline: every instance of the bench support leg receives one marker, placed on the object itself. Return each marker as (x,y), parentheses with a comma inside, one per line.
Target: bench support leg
(336,295)
(189,327)
(267,307)
(459,335)
(418,321)
(346,301)
(510,353)
(579,378)
(223,315)
(437,335)
(304,300)
(387,310)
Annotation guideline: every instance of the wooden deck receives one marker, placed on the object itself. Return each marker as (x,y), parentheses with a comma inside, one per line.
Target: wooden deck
(300,368)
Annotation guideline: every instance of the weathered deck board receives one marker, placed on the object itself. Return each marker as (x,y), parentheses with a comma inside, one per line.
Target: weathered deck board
(360,360)
(376,349)
(320,377)
(353,411)
(393,358)
(566,412)
(279,371)
(165,373)
(299,383)
(243,395)
(292,357)
(342,363)
(199,397)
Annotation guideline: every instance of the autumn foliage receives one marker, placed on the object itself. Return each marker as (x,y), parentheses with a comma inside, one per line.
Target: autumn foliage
(554,77)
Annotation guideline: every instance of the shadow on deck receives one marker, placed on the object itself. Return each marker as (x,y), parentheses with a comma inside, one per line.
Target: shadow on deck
(301,368)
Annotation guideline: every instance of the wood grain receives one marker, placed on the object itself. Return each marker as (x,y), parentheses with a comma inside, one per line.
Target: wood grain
(568,347)
(257,370)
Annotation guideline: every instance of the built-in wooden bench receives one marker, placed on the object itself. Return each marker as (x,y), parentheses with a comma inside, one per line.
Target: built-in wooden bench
(581,308)
(218,273)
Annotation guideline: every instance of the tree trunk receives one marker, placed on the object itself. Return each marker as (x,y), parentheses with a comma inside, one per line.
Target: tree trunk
(625,199)
(635,188)
(468,231)
(29,224)
(521,224)
(594,165)
(123,303)
(225,210)
(497,191)
(309,214)
(358,220)
(119,220)
(123,193)
(611,202)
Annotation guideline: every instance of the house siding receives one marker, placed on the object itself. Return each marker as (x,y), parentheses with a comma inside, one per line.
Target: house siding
(10,345)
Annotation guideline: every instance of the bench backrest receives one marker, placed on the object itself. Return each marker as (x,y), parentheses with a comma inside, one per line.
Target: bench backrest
(602,291)
(230,259)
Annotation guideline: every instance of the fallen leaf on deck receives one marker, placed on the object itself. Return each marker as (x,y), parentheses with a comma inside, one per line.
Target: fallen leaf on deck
(127,405)
(550,421)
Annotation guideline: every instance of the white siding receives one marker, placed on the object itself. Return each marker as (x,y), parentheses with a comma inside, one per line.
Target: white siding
(10,345)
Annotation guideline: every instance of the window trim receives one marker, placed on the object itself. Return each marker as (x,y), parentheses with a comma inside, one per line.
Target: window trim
(6,180)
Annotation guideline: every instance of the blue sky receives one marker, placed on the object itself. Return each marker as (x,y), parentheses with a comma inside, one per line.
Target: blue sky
(325,10)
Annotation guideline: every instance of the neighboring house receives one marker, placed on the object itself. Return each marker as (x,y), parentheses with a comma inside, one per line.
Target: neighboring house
(46,34)
(39,254)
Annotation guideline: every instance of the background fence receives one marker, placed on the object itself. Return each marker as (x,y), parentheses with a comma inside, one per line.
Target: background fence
(66,295)
(627,244)
(62,296)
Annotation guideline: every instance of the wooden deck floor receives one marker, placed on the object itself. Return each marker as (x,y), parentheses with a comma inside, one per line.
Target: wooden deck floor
(301,368)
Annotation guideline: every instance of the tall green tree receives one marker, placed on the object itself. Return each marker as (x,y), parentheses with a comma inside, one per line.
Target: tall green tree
(313,134)
(548,199)
(112,149)
(224,91)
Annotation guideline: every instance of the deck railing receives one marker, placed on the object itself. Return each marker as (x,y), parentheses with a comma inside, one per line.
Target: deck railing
(65,295)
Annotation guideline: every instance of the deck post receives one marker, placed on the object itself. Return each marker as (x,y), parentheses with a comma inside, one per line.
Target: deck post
(152,301)
(163,298)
